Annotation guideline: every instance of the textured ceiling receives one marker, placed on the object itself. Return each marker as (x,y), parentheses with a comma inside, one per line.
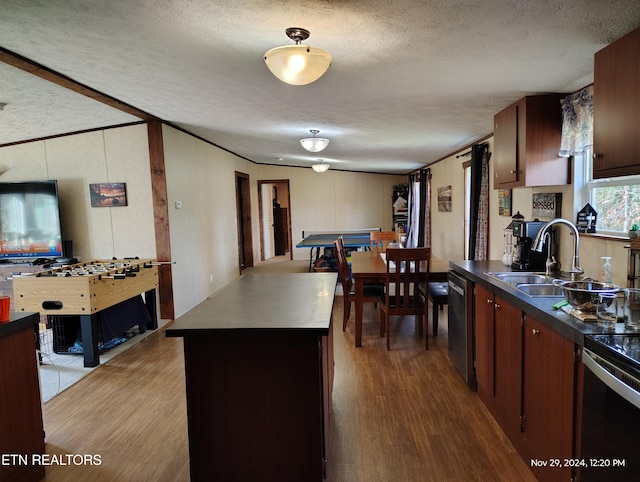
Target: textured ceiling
(410,82)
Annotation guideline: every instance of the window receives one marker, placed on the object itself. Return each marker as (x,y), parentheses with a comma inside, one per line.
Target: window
(616,200)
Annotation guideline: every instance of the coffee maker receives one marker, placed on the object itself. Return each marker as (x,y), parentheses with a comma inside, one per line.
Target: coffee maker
(526,259)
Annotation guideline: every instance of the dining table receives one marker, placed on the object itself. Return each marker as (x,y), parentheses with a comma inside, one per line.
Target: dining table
(368,267)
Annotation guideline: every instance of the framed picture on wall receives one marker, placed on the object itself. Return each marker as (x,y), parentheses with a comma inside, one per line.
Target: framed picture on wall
(444,199)
(108,195)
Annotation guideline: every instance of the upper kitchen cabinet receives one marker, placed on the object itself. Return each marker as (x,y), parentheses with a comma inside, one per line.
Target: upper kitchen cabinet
(526,142)
(616,108)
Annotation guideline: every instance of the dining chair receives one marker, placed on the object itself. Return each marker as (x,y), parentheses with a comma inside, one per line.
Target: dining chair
(372,293)
(406,269)
(381,239)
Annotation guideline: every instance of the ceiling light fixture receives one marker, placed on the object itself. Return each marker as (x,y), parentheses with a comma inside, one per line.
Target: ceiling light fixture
(322,167)
(297,64)
(314,144)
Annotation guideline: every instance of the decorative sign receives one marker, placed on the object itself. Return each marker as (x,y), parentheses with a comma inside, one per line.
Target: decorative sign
(504,202)
(546,205)
(587,217)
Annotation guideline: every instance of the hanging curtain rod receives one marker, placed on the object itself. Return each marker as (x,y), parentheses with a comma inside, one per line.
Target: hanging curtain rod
(469,152)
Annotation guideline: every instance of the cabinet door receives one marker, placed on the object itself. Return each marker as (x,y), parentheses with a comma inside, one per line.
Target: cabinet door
(505,145)
(508,367)
(616,108)
(484,344)
(549,377)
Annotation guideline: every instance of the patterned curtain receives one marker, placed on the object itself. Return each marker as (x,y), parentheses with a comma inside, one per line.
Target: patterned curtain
(479,223)
(427,210)
(577,122)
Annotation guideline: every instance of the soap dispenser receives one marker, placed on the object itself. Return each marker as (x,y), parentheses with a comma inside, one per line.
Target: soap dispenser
(606,270)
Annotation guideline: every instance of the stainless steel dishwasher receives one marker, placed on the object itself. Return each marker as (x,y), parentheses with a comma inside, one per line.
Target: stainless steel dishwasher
(460,331)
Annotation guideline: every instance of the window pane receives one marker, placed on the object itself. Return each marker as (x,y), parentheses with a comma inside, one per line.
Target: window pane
(618,207)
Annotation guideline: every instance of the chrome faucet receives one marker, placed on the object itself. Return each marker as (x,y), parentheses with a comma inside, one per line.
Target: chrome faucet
(538,244)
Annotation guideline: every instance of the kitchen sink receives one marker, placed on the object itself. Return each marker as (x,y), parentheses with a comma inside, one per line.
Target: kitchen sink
(516,278)
(541,289)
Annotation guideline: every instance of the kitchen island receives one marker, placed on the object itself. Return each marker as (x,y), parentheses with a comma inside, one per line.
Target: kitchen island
(259,374)
(21,426)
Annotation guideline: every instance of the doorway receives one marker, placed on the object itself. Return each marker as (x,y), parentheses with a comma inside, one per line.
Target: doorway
(243,208)
(274,204)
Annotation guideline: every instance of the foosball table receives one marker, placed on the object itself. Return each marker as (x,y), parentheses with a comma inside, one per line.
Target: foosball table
(85,290)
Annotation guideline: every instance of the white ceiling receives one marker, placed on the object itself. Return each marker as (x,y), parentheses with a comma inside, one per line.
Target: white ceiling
(410,81)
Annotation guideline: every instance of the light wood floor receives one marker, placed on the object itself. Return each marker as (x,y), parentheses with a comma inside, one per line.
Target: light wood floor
(404,415)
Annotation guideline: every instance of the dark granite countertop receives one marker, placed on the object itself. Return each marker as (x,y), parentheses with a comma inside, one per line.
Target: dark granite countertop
(301,302)
(538,307)
(18,322)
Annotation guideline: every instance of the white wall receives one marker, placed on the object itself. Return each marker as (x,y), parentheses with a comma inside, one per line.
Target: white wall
(335,200)
(112,155)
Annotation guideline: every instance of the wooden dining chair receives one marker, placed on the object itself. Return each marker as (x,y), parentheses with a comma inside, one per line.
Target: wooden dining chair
(406,269)
(381,239)
(372,293)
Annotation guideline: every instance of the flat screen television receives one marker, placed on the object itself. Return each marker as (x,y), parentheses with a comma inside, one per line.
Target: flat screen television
(29,220)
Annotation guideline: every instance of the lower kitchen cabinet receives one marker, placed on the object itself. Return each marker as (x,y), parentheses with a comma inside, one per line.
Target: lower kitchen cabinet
(508,369)
(526,375)
(549,395)
(485,328)
(499,359)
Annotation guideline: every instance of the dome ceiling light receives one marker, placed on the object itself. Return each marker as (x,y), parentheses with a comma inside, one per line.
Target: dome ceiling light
(314,144)
(297,64)
(321,167)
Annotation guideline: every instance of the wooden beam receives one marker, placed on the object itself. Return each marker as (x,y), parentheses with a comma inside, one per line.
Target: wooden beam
(161,218)
(22,63)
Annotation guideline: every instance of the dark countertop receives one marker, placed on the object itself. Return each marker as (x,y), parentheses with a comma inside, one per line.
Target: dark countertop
(538,307)
(264,302)
(18,322)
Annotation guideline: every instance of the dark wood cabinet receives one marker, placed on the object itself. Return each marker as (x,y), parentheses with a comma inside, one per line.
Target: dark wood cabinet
(616,108)
(549,398)
(484,345)
(21,423)
(526,375)
(526,143)
(508,368)
(499,359)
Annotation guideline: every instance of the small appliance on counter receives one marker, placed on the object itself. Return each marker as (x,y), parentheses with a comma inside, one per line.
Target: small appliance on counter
(526,259)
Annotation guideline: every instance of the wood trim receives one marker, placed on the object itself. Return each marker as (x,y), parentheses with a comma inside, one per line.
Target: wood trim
(34,68)
(161,218)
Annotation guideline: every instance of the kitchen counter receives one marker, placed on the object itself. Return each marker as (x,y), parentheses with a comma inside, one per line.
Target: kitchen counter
(18,322)
(539,307)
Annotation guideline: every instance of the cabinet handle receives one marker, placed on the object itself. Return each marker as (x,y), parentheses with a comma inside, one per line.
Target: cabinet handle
(497,305)
(535,332)
(489,300)
(513,171)
(596,155)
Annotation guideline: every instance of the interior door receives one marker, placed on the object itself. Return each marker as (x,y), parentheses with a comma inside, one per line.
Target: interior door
(243,207)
